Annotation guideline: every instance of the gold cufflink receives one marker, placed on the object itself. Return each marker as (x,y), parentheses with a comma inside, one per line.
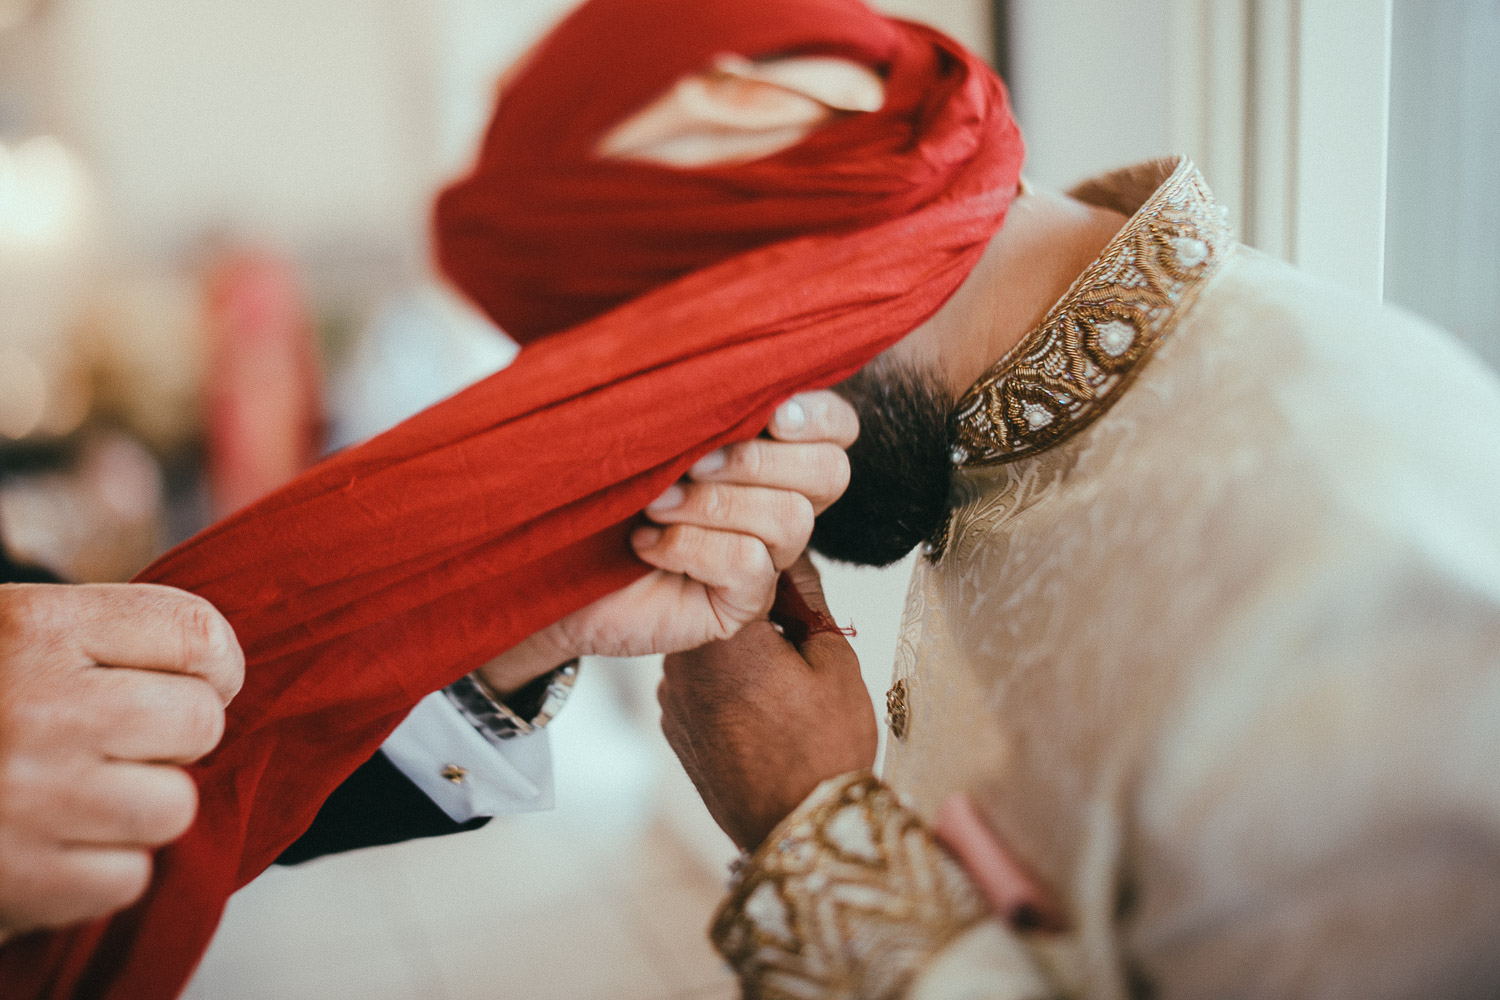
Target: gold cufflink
(455,774)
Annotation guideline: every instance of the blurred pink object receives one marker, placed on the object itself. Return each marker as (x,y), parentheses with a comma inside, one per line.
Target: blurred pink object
(1013,894)
(264,395)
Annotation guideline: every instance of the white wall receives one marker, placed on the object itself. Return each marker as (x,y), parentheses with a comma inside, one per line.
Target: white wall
(966,20)
(298,122)
(1443,232)
(479,39)
(1091,83)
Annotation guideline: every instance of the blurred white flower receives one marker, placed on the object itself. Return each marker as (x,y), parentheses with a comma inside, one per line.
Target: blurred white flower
(43,193)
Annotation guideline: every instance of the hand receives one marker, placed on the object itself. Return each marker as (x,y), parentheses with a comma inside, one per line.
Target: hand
(758,723)
(103,691)
(720,538)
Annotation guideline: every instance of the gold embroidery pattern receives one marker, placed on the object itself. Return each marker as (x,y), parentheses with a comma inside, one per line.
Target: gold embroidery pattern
(849,897)
(1071,368)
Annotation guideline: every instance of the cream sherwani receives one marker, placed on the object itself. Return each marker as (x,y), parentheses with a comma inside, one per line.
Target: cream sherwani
(1213,641)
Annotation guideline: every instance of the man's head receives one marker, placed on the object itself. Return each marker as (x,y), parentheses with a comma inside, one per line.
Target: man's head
(740,201)
(900,471)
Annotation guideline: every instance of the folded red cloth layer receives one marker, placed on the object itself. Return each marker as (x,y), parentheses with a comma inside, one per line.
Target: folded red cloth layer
(666,313)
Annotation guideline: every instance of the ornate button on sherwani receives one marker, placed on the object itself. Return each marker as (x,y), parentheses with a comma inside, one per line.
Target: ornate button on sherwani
(895,710)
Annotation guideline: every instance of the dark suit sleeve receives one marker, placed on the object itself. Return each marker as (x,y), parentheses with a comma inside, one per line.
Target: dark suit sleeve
(11,572)
(377,804)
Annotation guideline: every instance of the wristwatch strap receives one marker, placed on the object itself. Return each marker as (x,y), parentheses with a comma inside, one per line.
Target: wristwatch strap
(525,712)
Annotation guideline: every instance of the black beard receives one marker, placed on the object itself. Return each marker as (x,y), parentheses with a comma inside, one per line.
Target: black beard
(900,470)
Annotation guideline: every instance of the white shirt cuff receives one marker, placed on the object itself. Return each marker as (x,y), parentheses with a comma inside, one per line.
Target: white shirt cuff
(462,772)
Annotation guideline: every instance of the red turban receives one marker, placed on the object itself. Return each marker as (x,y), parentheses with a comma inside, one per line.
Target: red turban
(680,308)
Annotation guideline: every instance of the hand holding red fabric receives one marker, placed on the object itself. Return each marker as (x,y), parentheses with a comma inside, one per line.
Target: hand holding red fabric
(720,539)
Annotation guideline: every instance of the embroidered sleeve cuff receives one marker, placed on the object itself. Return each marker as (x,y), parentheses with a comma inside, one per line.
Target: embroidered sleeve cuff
(850,896)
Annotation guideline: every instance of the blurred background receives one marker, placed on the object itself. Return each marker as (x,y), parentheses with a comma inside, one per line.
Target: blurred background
(214,267)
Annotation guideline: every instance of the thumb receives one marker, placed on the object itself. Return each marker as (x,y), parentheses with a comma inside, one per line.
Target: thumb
(804,576)
(802,613)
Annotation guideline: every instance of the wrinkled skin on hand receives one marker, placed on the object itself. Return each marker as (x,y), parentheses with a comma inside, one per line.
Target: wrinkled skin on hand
(104,692)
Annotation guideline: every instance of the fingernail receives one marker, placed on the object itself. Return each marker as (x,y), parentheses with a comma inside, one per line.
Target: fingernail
(671,498)
(712,462)
(792,415)
(645,537)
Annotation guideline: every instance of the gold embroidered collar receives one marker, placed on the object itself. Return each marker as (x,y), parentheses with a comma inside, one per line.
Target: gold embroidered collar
(1070,369)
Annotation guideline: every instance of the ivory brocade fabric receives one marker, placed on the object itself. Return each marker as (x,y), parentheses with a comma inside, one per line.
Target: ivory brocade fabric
(1220,664)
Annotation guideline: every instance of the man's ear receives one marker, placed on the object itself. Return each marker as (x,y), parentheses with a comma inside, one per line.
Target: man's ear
(741,110)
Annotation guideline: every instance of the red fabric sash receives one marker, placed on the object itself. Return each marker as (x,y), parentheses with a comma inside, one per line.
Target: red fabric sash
(680,308)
